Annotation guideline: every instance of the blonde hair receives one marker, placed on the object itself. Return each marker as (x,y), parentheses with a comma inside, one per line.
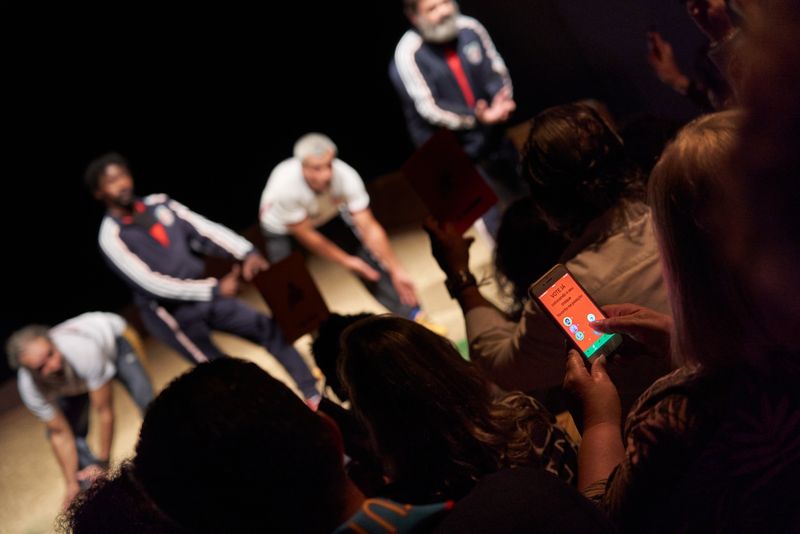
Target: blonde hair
(707,299)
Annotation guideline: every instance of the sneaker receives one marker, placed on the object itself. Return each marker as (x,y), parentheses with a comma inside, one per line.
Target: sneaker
(422,318)
(313,402)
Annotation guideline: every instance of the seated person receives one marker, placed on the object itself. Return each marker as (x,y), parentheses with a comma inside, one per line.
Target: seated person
(227,448)
(712,446)
(431,416)
(65,369)
(584,188)
(321,201)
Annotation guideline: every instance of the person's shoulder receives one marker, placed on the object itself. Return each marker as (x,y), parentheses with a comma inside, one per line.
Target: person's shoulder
(409,43)
(345,170)
(523,500)
(286,180)
(464,22)
(155,199)
(288,169)
(90,319)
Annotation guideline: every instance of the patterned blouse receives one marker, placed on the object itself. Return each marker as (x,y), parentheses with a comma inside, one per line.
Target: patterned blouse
(711,452)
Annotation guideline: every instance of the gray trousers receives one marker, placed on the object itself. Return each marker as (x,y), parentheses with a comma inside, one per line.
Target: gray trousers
(341,232)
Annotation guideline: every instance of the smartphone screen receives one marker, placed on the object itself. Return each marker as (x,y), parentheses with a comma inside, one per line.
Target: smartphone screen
(574,310)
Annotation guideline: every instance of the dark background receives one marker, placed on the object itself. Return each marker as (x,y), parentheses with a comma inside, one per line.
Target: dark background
(205,101)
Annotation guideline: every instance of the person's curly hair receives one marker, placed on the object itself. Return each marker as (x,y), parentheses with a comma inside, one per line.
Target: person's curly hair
(430,413)
(576,167)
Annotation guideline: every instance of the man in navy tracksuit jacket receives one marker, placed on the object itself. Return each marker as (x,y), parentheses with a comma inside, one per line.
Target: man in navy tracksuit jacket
(156,245)
(448,74)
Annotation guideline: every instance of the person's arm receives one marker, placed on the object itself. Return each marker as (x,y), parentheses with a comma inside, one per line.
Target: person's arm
(376,241)
(421,91)
(139,275)
(63,443)
(498,85)
(601,444)
(523,355)
(317,243)
(212,238)
(101,400)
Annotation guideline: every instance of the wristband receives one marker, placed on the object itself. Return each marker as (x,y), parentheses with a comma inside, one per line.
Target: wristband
(459,281)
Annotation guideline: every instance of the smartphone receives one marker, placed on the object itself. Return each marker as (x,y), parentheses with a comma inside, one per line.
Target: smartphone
(565,301)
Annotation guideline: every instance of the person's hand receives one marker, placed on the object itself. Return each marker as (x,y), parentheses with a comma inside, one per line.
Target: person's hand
(595,391)
(662,60)
(362,269)
(229,284)
(711,16)
(405,288)
(253,264)
(72,491)
(449,248)
(499,111)
(649,328)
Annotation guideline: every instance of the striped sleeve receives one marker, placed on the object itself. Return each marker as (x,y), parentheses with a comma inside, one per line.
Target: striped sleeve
(498,65)
(137,273)
(419,90)
(223,237)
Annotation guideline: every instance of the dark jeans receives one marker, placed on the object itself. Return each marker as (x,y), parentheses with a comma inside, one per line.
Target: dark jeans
(187,327)
(341,233)
(76,409)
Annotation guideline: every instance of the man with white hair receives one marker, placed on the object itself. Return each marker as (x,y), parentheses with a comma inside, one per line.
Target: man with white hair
(68,368)
(321,201)
(448,74)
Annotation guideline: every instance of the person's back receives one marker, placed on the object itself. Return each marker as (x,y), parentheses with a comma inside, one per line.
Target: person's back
(712,446)
(226,448)
(431,416)
(585,189)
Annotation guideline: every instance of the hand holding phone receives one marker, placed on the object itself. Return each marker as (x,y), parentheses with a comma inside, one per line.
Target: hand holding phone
(565,301)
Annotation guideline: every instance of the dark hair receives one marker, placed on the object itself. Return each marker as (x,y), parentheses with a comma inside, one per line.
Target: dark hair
(116,504)
(429,412)
(525,248)
(226,447)
(576,167)
(97,167)
(326,348)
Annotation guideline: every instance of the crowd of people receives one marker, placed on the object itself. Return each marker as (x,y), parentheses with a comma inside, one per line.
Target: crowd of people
(692,426)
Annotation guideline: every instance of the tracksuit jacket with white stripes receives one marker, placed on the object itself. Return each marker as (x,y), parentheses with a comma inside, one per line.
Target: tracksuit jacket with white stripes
(430,94)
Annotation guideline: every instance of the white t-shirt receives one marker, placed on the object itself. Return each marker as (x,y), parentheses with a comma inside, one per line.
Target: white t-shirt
(287,198)
(88,344)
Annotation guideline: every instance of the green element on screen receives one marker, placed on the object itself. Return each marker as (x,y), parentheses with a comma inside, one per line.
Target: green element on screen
(463,348)
(597,344)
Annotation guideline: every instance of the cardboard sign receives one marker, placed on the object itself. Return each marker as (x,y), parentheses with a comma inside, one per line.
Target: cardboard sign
(293,297)
(447,182)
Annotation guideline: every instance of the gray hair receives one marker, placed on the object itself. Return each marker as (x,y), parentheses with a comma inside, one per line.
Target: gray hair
(17,342)
(313,144)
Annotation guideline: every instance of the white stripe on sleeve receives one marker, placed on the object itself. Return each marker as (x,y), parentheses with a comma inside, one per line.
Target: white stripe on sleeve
(418,89)
(140,273)
(235,244)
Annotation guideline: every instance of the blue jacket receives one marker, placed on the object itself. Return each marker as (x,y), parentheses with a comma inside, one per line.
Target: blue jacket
(428,90)
(159,251)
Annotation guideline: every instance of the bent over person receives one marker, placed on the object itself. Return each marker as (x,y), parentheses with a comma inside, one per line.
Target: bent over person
(68,368)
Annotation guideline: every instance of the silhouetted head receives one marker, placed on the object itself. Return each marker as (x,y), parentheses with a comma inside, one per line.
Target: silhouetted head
(576,167)
(227,448)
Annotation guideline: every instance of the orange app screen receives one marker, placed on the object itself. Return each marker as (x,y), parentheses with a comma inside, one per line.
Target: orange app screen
(573,310)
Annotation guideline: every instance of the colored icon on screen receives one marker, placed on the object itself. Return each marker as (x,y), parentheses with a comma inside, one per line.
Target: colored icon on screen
(591,317)
(567,321)
(573,328)
(579,336)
